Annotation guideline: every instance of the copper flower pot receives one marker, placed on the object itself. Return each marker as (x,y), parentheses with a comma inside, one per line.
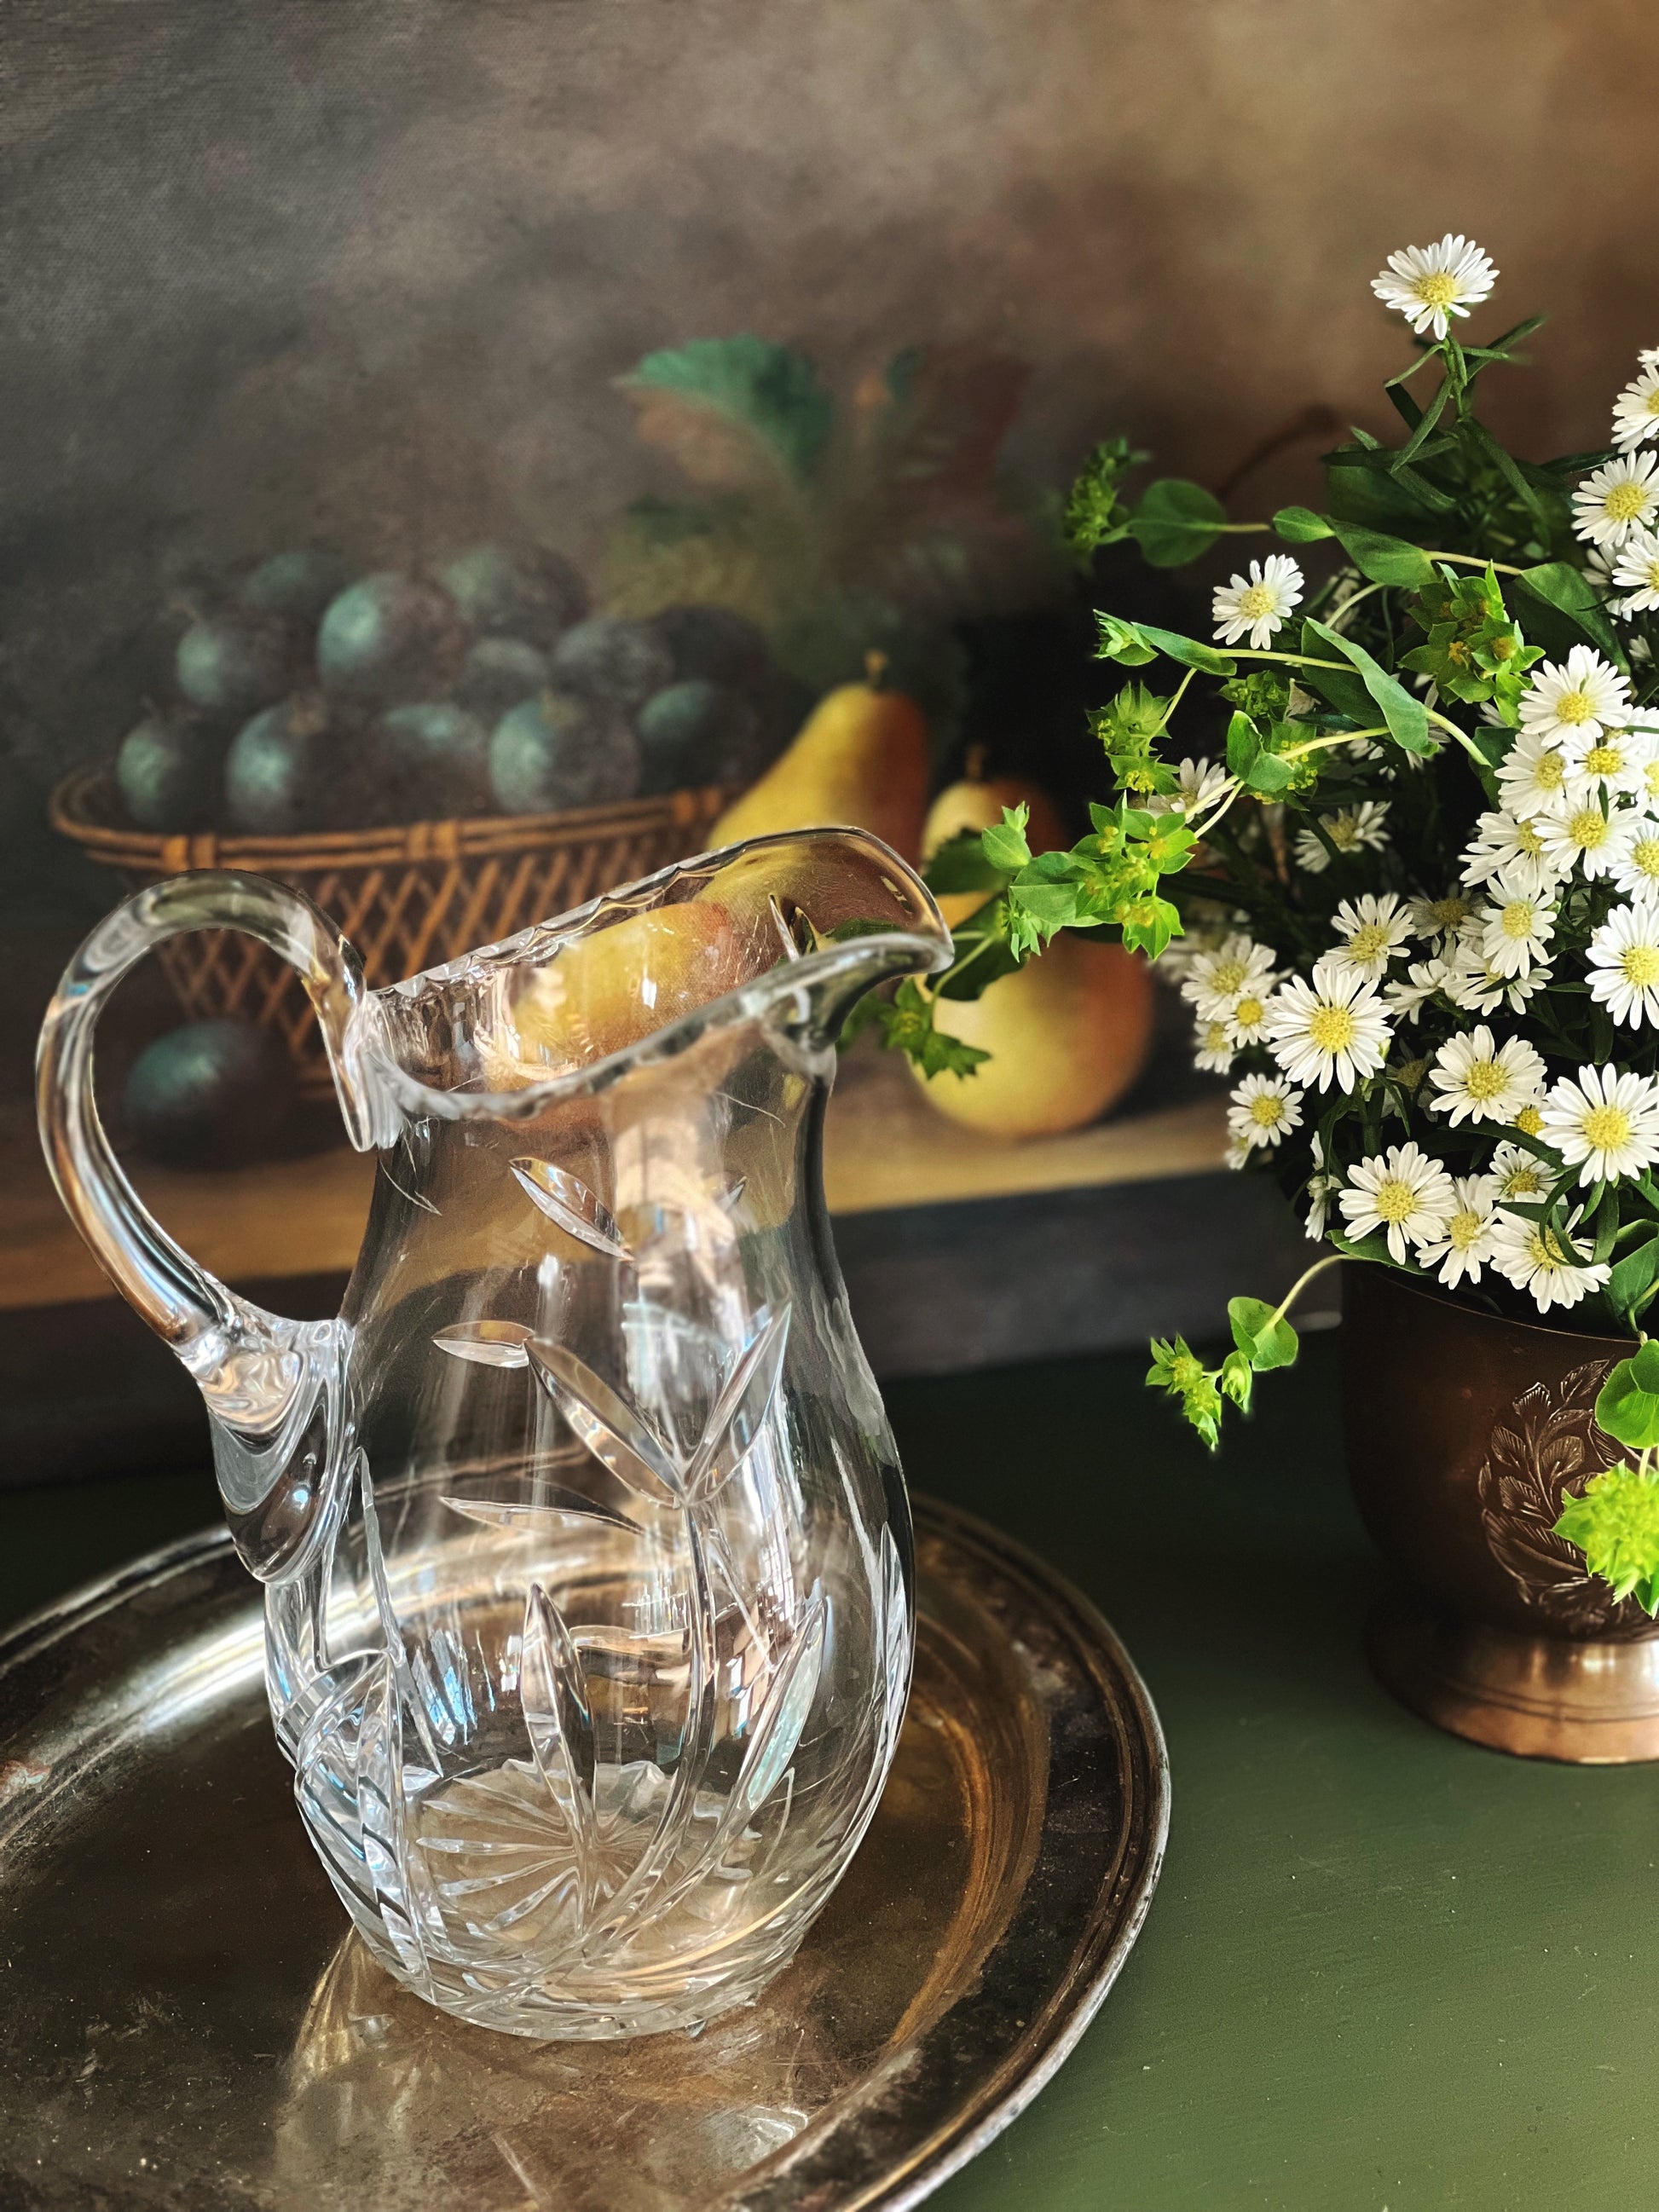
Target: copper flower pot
(1465,1433)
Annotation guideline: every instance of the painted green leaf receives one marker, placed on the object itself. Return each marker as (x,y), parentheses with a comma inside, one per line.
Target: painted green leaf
(697,399)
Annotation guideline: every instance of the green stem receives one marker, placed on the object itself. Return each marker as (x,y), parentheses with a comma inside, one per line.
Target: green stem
(1338,738)
(1300,1285)
(1163,722)
(1474,561)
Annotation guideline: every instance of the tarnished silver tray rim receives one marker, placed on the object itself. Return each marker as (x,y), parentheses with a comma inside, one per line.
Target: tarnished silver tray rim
(1102,1942)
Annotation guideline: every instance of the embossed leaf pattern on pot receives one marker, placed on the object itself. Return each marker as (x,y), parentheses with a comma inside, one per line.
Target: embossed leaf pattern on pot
(1547,1446)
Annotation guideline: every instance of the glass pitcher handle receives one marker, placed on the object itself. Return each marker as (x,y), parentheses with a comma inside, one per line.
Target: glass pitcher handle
(257,1371)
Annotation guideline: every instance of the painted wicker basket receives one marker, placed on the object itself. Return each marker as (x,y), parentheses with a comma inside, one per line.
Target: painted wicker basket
(408,897)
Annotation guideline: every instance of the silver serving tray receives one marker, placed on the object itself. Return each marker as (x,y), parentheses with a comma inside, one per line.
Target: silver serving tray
(187,2024)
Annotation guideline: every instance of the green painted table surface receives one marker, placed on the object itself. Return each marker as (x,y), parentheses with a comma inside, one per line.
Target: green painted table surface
(1382,1968)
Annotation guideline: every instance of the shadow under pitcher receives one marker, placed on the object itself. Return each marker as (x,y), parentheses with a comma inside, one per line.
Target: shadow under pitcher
(585,1551)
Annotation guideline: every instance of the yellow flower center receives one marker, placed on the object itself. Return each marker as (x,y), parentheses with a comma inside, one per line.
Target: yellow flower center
(1530,1121)
(1248,1013)
(1215,1036)
(1255,602)
(1574,707)
(1641,965)
(1653,576)
(1523,1181)
(1517,918)
(1464,1228)
(1228,976)
(1625,502)
(1589,829)
(1650,778)
(1368,943)
(1411,1073)
(1485,1081)
(1529,841)
(1266,1112)
(1644,856)
(1650,404)
(1544,1247)
(1394,1200)
(1606,1128)
(1447,912)
(1603,760)
(1550,772)
(1343,832)
(1437,289)
(1331,1029)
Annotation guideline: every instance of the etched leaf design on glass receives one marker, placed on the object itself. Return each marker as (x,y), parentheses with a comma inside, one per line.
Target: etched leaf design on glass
(489,1343)
(553,1694)
(616,1434)
(567,1201)
(776,1734)
(741,1411)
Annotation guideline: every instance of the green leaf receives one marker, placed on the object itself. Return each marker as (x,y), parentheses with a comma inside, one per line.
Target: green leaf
(1560,611)
(1236,1380)
(1407,718)
(1004,842)
(1269,776)
(1176,521)
(1300,526)
(1266,1342)
(906,1024)
(1095,513)
(1615,1524)
(1627,1405)
(983,953)
(755,392)
(1148,925)
(1386,559)
(961,865)
(1134,642)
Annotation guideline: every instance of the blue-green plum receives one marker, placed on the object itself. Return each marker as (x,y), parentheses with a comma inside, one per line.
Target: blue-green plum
(431,761)
(555,752)
(208,1095)
(297,585)
(232,663)
(389,638)
(280,769)
(612,660)
(168,771)
(514,591)
(696,733)
(500,671)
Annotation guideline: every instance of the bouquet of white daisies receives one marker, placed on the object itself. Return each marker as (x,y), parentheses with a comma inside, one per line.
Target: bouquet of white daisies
(1395,830)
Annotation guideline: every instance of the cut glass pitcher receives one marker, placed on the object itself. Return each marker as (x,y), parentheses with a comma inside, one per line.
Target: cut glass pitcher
(585,1550)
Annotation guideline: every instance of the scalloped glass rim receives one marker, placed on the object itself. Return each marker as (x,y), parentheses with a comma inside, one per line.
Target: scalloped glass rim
(893,952)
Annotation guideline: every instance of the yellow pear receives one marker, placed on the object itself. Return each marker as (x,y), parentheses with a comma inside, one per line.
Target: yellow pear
(1068,1035)
(976,804)
(861,758)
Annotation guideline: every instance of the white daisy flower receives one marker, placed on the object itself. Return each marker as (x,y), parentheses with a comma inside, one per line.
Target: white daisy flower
(1247,1018)
(1635,870)
(1617,762)
(1516,928)
(1407,995)
(1350,830)
(1636,572)
(1619,496)
(1624,964)
(1533,1258)
(1466,1243)
(1478,1079)
(1260,603)
(1435,920)
(1476,986)
(1519,1174)
(1212,1048)
(1606,1124)
(1264,1108)
(1199,783)
(1579,696)
(1218,976)
(1429,284)
(1511,843)
(1402,1192)
(1371,931)
(1334,1029)
(1532,777)
(1586,838)
(1636,410)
